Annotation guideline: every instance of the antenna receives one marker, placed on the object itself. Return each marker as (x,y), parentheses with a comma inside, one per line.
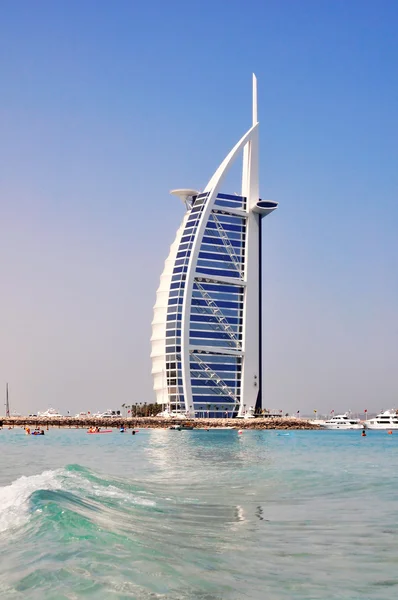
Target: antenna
(255,116)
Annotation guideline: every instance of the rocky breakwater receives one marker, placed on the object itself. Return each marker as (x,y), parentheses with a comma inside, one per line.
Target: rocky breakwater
(160,423)
(260,423)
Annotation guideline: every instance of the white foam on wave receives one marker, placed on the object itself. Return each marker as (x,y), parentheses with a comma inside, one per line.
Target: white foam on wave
(108,491)
(14,498)
(113,492)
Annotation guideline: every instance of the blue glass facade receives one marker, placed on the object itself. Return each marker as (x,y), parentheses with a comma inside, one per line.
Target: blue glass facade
(216,308)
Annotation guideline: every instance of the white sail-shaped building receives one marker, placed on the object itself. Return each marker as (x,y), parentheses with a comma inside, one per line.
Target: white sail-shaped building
(206,330)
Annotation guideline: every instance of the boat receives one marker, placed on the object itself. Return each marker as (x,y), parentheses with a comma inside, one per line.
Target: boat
(183,427)
(50,413)
(387,419)
(110,414)
(167,414)
(100,431)
(344,421)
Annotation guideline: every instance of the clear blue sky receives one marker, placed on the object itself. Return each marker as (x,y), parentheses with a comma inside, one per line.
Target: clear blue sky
(106,106)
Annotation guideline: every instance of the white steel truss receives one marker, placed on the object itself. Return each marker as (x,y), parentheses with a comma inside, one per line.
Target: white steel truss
(228,246)
(217,313)
(213,376)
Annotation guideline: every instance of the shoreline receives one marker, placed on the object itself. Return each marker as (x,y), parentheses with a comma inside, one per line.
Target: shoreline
(159,423)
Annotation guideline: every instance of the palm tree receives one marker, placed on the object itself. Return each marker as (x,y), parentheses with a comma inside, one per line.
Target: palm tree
(145,409)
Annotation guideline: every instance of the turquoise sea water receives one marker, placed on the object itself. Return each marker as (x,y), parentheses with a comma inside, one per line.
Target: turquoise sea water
(199,515)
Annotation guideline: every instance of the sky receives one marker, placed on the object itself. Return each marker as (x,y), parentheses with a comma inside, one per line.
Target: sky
(106,106)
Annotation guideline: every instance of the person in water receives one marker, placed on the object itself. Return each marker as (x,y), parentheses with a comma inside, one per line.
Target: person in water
(363,433)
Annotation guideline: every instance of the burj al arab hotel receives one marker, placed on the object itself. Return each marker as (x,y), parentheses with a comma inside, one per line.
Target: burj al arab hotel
(206,329)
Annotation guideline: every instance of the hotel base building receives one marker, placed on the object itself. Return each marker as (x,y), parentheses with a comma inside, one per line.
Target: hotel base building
(206,329)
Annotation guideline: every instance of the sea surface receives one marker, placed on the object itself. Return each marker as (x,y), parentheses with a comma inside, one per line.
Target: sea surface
(201,515)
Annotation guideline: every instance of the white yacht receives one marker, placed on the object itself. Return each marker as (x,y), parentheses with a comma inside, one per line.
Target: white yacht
(110,414)
(342,422)
(172,414)
(50,413)
(387,419)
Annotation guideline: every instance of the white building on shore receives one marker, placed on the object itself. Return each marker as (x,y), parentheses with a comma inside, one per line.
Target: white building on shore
(206,329)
